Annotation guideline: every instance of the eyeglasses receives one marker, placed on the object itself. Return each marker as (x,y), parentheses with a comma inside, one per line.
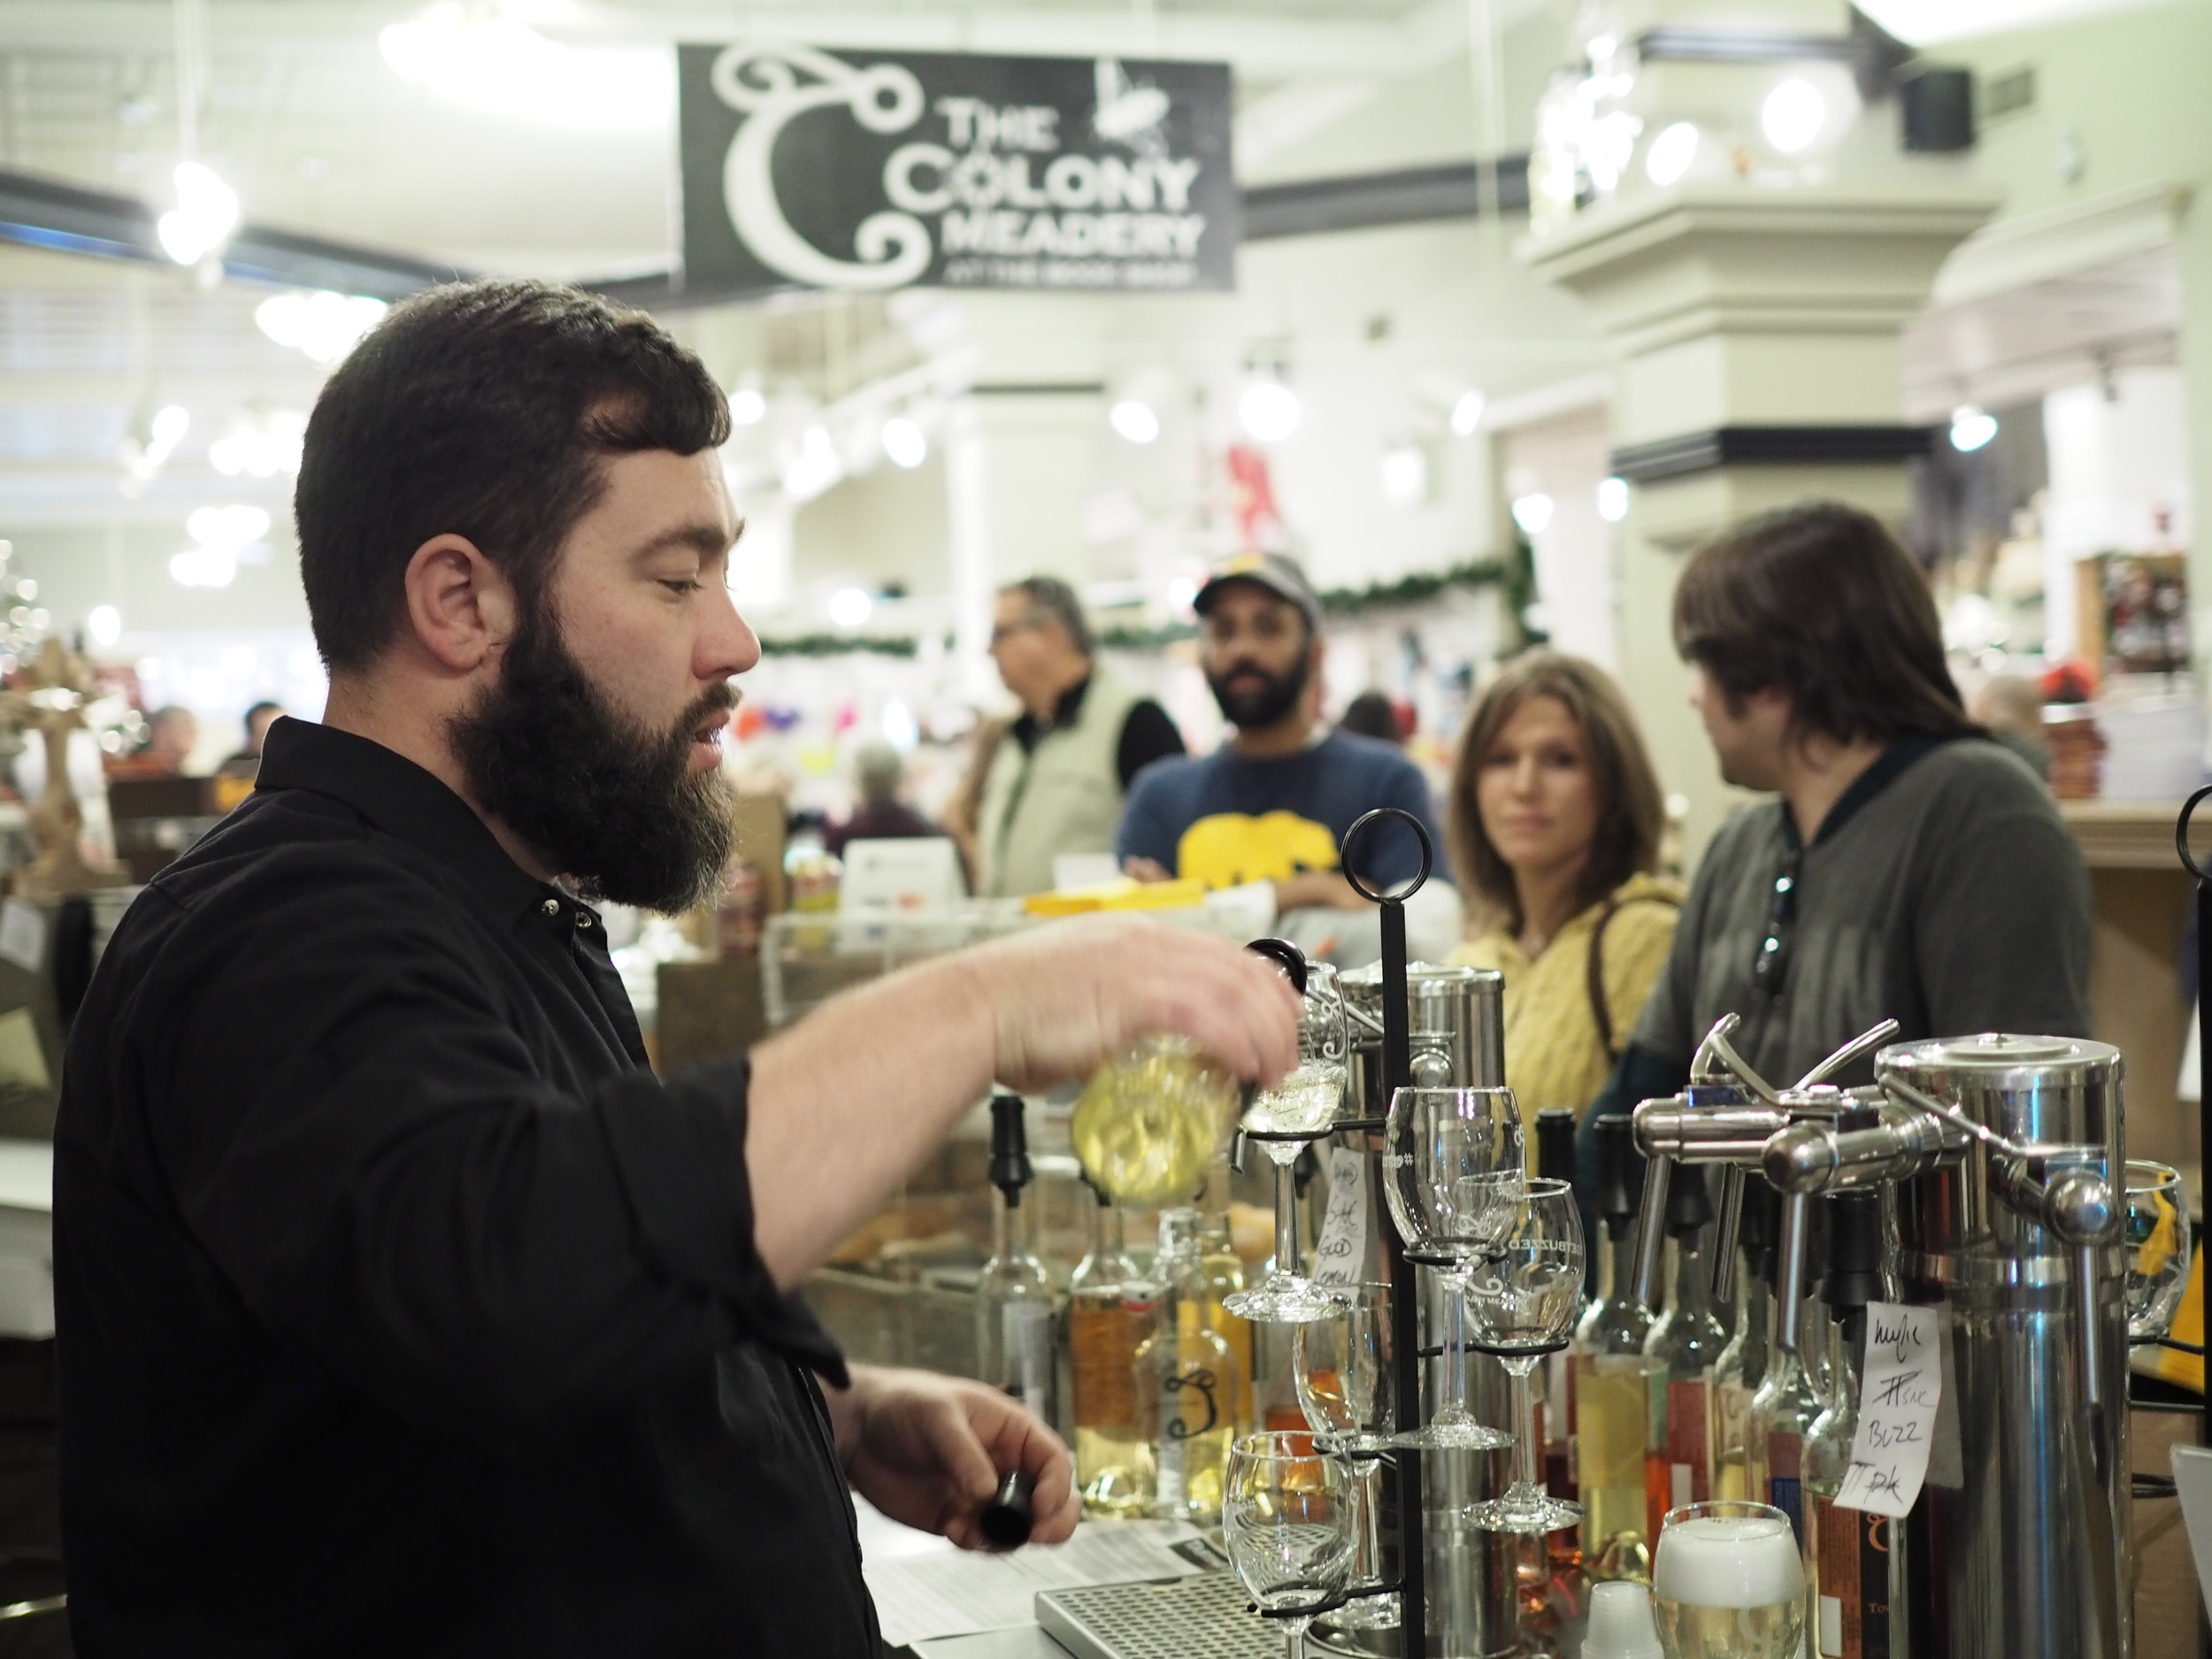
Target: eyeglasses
(1772,965)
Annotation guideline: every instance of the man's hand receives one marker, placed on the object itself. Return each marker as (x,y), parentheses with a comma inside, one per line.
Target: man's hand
(1146,869)
(930,1451)
(1064,1000)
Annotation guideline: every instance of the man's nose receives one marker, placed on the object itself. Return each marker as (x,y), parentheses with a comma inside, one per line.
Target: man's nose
(727,645)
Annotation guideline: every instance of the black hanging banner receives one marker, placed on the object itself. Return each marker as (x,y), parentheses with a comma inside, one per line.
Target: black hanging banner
(870,171)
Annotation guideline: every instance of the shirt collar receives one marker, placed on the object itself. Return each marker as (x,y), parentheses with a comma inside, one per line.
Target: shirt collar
(1887,767)
(1028,729)
(405,801)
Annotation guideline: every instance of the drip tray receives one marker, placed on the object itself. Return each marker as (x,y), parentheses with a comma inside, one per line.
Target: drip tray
(1202,1617)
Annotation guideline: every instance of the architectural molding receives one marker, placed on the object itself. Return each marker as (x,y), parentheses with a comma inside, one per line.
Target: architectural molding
(1694,452)
(2014,253)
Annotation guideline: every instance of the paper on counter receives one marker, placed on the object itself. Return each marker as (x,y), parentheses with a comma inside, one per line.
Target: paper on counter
(949,1592)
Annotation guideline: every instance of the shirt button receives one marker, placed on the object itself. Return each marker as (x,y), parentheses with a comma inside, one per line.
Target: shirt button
(583,919)
(551,907)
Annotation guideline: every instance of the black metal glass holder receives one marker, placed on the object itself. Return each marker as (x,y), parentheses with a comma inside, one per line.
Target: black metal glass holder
(2203,878)
(1397,1071)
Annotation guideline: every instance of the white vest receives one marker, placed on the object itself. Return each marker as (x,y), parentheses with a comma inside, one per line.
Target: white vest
(1062,796)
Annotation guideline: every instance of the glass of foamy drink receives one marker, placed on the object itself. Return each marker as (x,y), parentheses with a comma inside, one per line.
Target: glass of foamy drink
(1728,1583)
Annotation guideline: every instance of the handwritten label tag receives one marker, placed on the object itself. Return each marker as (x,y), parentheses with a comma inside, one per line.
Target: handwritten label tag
(1900,1395)
(22,934)
(1342,1247)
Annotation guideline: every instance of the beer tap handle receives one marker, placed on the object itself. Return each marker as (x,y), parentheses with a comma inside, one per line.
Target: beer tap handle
(1726,1232)
(1789,1277)
(1651,1230)
(2092,1354)
(1872,1038)
(1717,1048)
(2079,1207)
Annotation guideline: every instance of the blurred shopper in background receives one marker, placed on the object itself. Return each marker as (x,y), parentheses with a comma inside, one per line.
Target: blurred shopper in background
(171,734)
(1554,825)
(1055,784)
(1912,868)
(881,815)
(1266,811)
(1372,714)
(247,761)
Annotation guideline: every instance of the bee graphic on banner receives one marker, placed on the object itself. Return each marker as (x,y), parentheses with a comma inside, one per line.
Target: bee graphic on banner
(870,170)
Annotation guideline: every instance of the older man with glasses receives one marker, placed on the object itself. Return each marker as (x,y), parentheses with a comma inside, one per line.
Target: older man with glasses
(1056,782)
(1912,867)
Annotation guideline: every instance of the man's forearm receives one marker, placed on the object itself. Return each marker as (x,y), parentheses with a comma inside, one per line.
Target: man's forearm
(845,1103)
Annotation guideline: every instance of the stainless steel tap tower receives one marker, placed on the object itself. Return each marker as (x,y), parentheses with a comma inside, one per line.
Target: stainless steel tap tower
(2006,1157)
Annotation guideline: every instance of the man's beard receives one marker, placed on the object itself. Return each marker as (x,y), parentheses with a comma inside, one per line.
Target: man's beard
(607,802)
(1253,706)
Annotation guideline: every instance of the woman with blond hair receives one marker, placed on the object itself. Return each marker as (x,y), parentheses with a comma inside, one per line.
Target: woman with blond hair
(1553,827)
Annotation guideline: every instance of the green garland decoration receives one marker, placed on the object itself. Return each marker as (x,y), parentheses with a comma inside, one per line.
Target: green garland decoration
(1515,575)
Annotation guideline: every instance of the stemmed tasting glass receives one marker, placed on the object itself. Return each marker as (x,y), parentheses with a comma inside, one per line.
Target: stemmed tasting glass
(1347,1388)
(1453,1166)
(1522,1301)
(2157,1245)
(1282,1119)
(1287,1520)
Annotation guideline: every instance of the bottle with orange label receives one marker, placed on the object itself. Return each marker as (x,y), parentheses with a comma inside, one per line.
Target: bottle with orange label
(1684,1350)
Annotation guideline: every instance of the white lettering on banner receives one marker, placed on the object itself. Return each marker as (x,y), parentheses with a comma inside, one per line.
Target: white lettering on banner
(1119,220)
(1337,1253)
(899,183)
(1902,1389)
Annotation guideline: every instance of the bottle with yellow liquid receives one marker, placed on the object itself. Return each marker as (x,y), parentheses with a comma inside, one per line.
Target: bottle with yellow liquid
(1223,1272)
(1610,1378)
(1147,1125)
(1186,1381)
(1743,1362)
(1102,1337)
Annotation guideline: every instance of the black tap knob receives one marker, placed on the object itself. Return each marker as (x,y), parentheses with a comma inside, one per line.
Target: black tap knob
(1556,1143)
(1855,1249)
(1009,1147)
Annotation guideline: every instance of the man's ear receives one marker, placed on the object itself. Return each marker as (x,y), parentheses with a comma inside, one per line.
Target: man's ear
(460,606)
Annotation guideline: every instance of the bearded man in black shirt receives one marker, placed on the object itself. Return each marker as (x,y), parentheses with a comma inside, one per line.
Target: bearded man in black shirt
(401,1309)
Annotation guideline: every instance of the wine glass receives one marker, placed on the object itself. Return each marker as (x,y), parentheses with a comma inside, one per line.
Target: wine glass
(2157,1246)
(1728,1582)
(1347,1388)
(1287,1521)
(1453,1165)
(1282,1119)
(1522,1300)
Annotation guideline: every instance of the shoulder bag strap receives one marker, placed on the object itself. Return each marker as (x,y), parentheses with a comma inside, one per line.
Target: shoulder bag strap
(1595,966)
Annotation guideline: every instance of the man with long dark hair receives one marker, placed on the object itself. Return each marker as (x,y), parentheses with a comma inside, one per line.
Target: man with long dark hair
(1911,868)
(428,1320)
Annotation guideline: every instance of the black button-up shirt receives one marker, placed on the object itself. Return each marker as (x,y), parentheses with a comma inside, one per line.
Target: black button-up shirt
(400,1309)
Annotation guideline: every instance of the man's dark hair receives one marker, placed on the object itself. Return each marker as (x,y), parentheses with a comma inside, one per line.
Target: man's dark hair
(1820,602)
(1056,600)
(261,707)
(480,410)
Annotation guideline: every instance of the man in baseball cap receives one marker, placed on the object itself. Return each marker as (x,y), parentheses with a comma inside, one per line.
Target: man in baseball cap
(1267,810)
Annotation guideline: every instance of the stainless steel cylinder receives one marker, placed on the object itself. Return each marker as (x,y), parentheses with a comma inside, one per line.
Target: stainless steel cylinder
(2027,1536)
(1456,1021)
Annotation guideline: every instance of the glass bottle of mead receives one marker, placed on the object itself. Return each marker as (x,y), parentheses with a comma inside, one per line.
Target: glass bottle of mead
(1102,1339)
(1684,1347)
(1014,1303)
(1186,1381)
(1607,1375)
(1743,1363)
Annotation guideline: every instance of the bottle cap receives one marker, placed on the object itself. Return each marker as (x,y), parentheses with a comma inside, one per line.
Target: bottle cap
(1007,1518)
(1688,1208)
(1009,1147)
(1556,1143)
(1761,1232)
(1620,1624)
(1855,1250)
(1618,1188)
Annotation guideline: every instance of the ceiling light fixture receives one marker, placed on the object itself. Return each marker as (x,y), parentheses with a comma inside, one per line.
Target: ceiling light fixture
(1467,413)
(104,626)
(322,325)
(1792,116)
(206,213)
(850,607)
(477,54)
(903,442)
(1613,500)
(1971,427)
(1405,475)
(1133,420)
(748,407)
(219,535)
(1533,513)
(1671,154)
(815,468)
(261,445)
(1269,410)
